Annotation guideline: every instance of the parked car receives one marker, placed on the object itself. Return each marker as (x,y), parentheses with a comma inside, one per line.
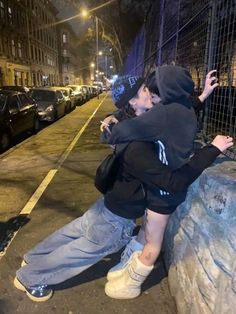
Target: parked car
(87,93)
(17,88)
(95,91)
(50,101)
(99,86)
(17,114)
(69,97)
(79,94)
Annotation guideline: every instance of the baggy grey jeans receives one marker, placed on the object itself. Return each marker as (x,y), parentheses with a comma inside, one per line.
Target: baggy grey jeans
(76,246)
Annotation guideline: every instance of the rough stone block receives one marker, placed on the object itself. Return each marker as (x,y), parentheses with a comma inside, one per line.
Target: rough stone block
(200,245)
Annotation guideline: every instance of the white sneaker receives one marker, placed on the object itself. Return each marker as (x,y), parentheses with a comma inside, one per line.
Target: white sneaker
(118,269)
(128,285)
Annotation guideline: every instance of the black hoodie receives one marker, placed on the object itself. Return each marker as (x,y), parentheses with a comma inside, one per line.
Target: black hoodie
(142,176)
(173,121)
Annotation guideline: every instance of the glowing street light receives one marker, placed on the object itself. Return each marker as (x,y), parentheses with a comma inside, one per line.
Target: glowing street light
(84,13)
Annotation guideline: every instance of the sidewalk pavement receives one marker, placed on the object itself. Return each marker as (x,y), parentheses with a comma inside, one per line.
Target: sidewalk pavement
(69,194)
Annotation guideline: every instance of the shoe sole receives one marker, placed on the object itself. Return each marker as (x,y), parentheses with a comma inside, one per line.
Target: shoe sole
(114,295)
(20,287)
(23,263)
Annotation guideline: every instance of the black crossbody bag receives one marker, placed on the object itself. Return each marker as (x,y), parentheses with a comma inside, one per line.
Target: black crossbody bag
(108,169)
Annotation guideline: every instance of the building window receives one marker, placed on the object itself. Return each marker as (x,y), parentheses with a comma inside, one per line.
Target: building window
(50,60)
(32,52)
(30,27)
(36,53)
(64,38)
(13,47)
(39,55)
(2,10)
(65,68)
(64,52)
(10,15)
(34,30)
(19,49)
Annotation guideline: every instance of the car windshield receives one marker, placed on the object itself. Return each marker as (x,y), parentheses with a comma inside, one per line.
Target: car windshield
(73,87)
(76,88)
(2,101)
(42,95)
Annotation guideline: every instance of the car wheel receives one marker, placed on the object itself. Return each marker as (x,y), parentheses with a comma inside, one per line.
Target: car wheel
(5,141)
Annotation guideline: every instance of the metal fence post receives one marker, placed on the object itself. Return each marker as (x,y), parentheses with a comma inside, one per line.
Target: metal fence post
(209,57)
(159,56)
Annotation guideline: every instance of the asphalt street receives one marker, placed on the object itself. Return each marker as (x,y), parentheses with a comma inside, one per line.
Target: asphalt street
(64,156)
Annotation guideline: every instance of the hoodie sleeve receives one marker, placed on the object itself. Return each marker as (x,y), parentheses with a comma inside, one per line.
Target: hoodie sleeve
(149,126)
(143,163)
(197,104)
(118,114)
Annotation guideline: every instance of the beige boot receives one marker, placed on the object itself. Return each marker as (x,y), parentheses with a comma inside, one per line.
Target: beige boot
(128,285)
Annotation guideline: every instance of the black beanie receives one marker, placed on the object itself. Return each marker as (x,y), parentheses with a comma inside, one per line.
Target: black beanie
(125,88)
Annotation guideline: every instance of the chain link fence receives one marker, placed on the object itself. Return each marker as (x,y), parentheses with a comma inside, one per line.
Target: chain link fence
(199,35)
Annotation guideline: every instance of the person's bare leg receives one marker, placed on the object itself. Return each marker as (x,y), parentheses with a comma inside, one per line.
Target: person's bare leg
(141,237)
(127,283)
(155,226)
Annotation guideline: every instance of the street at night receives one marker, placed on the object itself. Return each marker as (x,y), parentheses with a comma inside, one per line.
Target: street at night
(70,192)
(117,156)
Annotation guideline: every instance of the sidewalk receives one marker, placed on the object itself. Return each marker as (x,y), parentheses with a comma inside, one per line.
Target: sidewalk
(70,193)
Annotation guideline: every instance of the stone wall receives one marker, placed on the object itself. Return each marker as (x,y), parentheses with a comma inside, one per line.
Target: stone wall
(200,244)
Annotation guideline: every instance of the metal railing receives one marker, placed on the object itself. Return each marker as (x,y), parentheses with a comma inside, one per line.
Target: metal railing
(200,35)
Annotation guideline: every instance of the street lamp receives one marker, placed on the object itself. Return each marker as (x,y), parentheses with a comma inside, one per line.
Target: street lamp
(92,74)
(85,13)
(96,25)
(115,42)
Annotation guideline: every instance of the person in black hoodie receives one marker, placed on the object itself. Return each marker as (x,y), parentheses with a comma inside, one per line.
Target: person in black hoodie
(108,224)
(172,124)
(172,120)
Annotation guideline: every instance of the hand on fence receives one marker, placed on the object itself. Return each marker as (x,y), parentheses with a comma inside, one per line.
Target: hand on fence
(222,142)
(210,85)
